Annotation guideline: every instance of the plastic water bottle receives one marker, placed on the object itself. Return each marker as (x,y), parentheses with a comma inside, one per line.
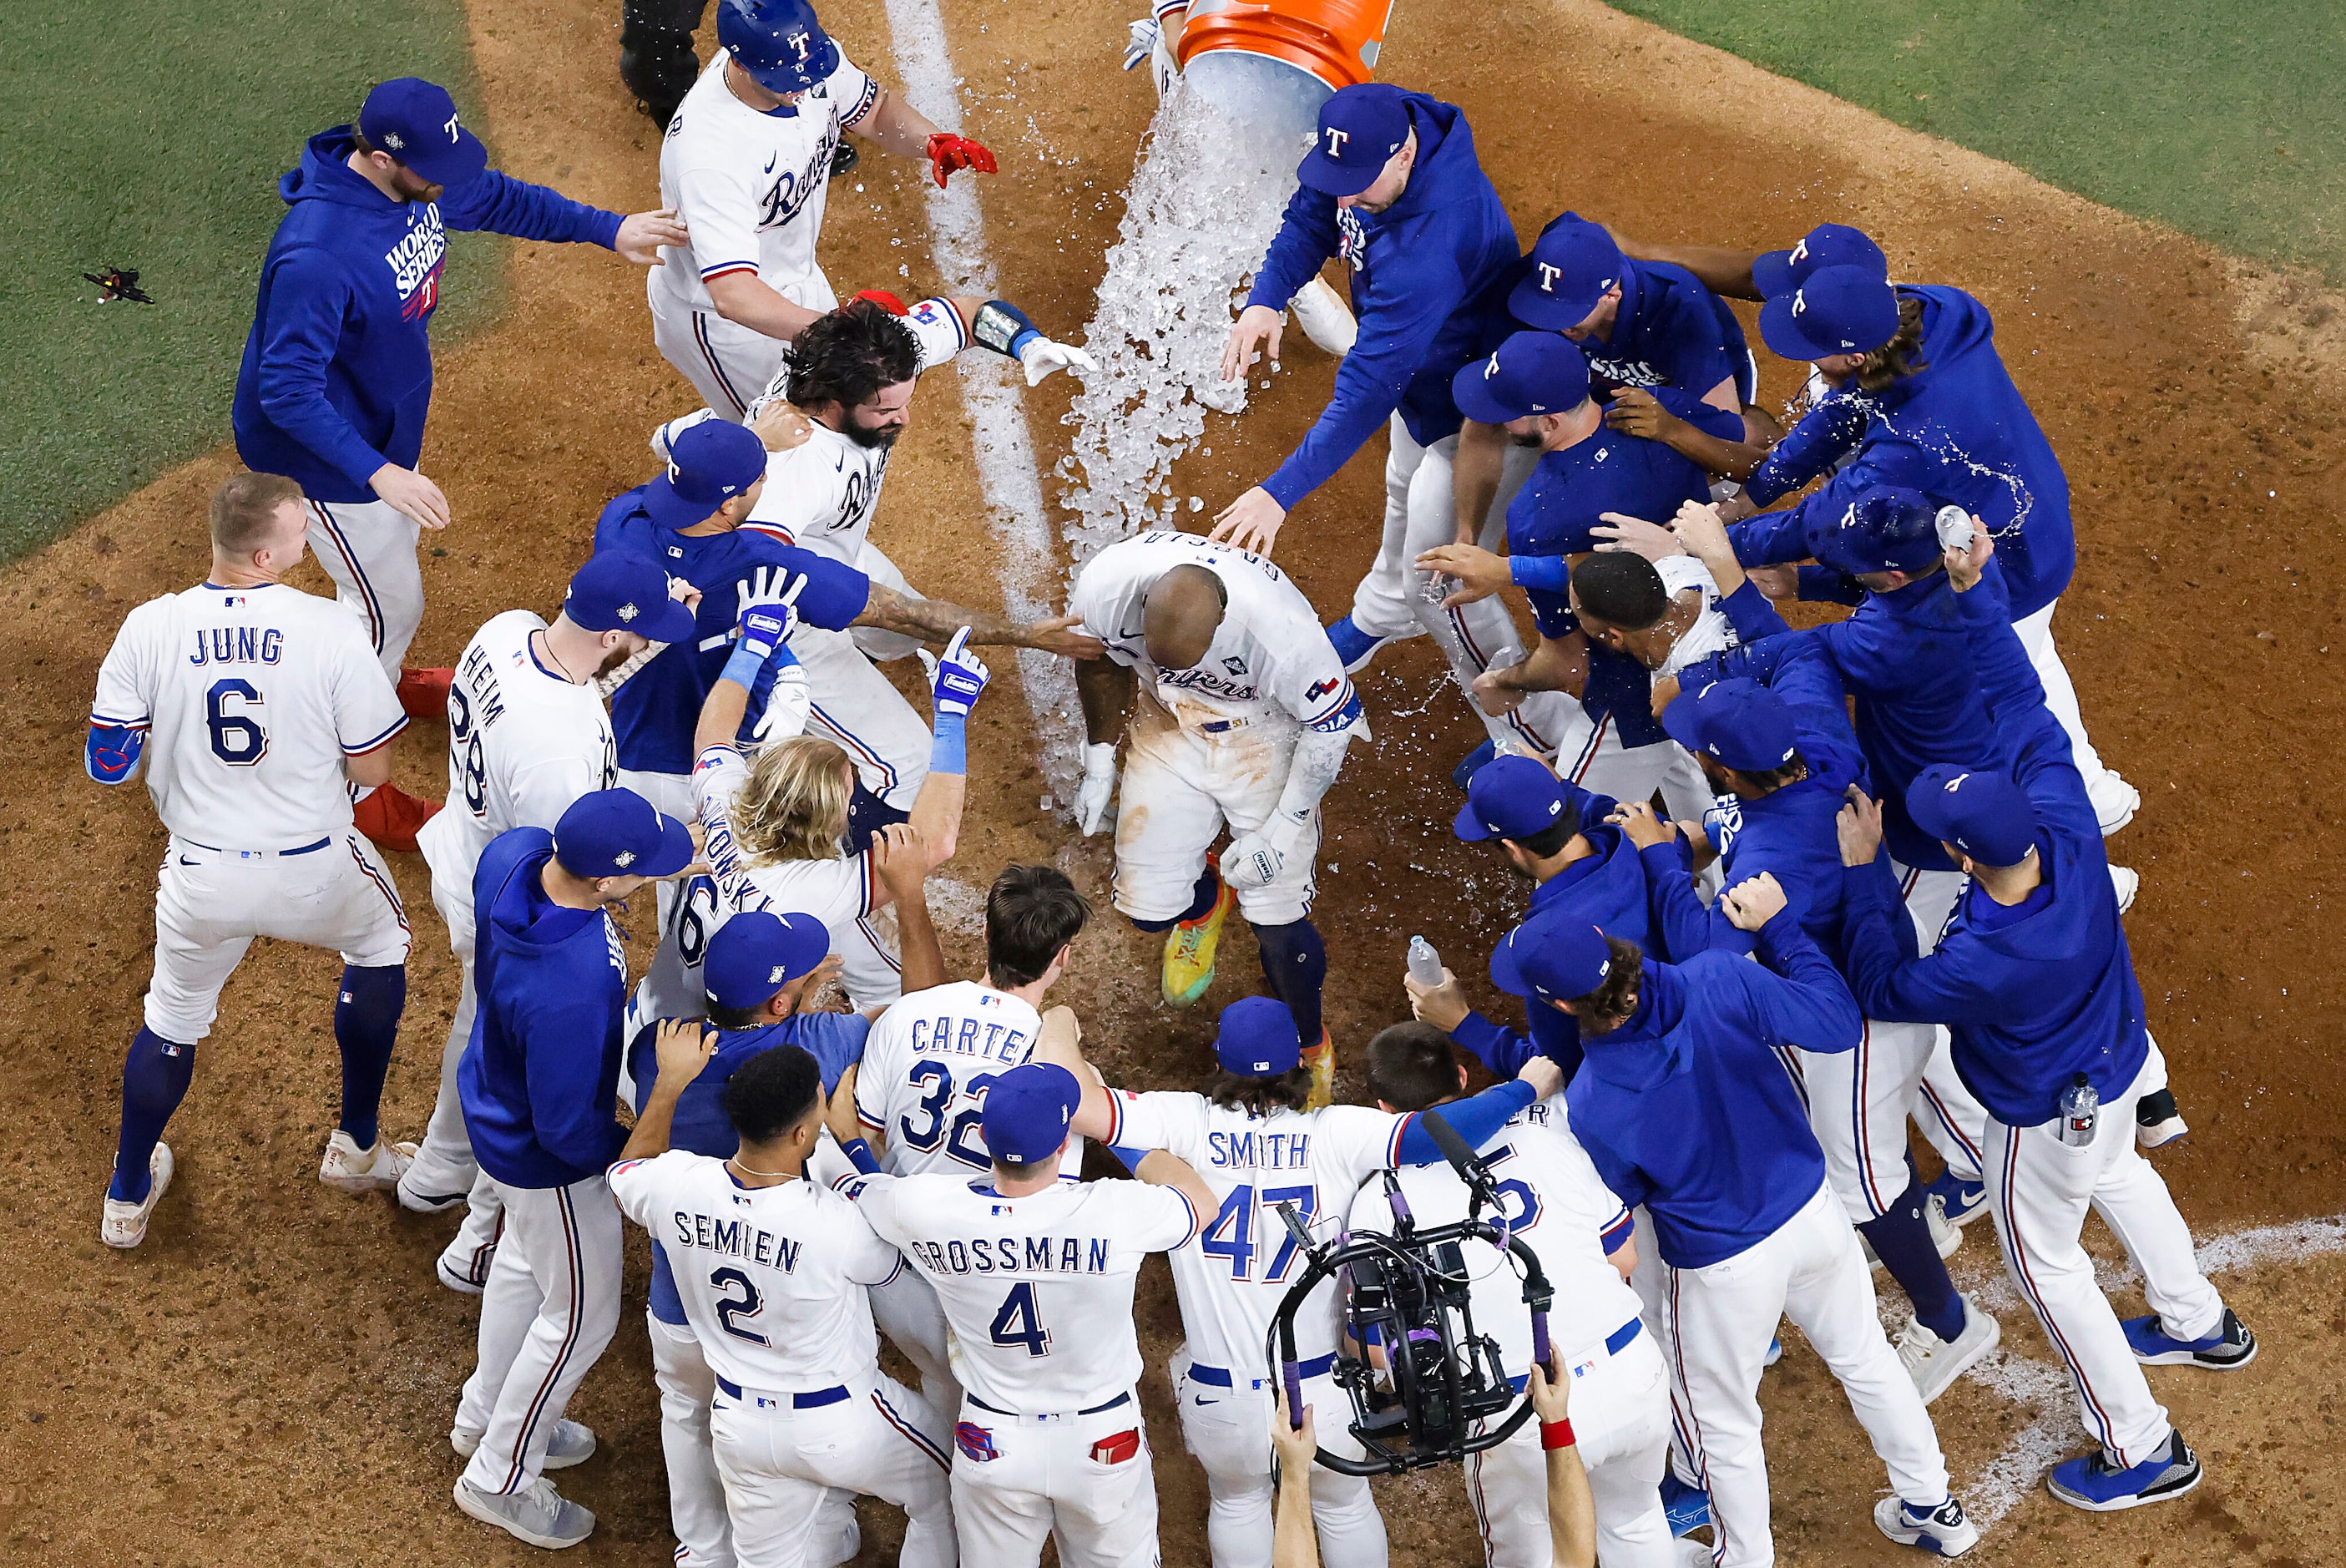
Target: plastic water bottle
(2081,1110)
(1425,963)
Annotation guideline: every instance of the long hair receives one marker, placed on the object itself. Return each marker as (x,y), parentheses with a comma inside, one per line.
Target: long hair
(1290,1091)
(849,354)
(1608,1006)
(794,806)
(1895,358)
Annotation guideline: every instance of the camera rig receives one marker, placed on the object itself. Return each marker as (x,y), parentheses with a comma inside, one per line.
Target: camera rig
(1420,1377)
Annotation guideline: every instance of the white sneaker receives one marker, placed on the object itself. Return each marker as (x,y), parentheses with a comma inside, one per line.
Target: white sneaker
(124,1224)
(2127,881)
(456,1281)
(349,1169)
(1324,317)
(573,1444)
(1934,1363)
(1944,1531)
(540,1516)
(2114,803)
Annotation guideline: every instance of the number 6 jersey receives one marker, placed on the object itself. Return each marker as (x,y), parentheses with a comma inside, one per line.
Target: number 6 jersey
(251,698)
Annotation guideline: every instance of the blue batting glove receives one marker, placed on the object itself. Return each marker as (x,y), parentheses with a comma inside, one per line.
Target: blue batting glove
(765,627)
(961,677)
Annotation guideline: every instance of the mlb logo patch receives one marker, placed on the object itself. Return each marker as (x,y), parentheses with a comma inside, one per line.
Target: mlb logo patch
(975,1442)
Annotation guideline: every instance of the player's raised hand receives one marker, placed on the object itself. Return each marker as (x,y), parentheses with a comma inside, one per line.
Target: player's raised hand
(821,993)
(1752,903)
(839,1110)
(1480,573)
(1041,356)
(1636,412)
(1640,826)
(410,494)
(949,153)
(1496,692)
(1098,788)
(1545,1076)
(900,859)
(961,677)
(1965,565)
(682,1046)
(1638,536)
(1250,523)
(1700,528)
(1257,331)
(641,235)
(763,628)
(1058,635)
(1858,827)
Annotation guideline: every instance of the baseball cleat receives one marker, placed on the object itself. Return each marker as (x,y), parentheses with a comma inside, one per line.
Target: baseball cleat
(349,1169)
(389,817)
(1958,1202)
(2157,1120)
(573,1443)
(2126,881)
(1688,1508)
(124,1224)
(1321,1060)
(1324,317)
(1934,1363)
(1353,646)
(456,1280)
(1775,1353)
(1190,949)
(540,1516)
(417,1202)
(2114,803)
(2099,1486)
(2231,1346)
(423,693)
(1942,1530)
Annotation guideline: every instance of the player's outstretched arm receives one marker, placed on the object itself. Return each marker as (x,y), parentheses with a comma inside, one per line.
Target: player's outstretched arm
(1256,859)
(892,124)
(936,810)
(760,650)
(1722,269)
(682,1047)
(1159,1168)
(1104,688)
(1476,471)
(902,859)
(936,621)
(745,302)
(1571,1507)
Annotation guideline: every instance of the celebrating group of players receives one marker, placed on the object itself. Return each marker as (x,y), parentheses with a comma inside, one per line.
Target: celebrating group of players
(1732,1007)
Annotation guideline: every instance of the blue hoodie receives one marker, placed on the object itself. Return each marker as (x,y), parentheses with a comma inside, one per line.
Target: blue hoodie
(337,371)
(1957,430)
(540,1079)
(1687,1107)
(1427,274)
(2034,995)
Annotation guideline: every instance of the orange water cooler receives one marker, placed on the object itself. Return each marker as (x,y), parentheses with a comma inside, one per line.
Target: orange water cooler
(1277,61)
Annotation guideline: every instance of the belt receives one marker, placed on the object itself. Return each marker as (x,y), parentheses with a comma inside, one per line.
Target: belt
(1220,1377)
(1123,1398)
(813,1400)
(1221,726)
(260,854)
(1615,1343)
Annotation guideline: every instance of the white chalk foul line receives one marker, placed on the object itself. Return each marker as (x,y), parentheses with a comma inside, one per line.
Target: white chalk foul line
(1027,565)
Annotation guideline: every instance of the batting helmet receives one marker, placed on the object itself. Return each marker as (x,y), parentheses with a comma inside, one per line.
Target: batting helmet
(777,42)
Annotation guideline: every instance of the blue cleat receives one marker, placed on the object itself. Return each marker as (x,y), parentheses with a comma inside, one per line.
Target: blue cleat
(1775,1353)
(2097,1485)
(1960,1202)
(1353,645)
(1463,774)
(2231,1345)
(1687,1507)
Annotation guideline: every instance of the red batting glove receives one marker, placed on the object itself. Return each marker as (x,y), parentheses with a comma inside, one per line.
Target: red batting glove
(884,300)
(948,152)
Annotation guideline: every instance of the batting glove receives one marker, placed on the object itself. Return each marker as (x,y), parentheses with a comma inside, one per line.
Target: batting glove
(1252,861)
(961,677)
(765,627)
(1041,356)
(778,703)
(1098,790)
(948,152)
(1140,42)
(666,433)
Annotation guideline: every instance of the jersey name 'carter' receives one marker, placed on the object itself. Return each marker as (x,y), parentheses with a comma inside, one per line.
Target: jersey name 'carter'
(969,1037)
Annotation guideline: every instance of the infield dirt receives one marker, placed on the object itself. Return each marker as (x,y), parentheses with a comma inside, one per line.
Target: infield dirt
(270,1378)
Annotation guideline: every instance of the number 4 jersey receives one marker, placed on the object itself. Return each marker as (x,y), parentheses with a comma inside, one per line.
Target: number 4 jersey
(927,1066)
(251,698)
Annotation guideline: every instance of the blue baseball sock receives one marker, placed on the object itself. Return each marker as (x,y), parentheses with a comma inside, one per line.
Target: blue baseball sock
(155,1077)
(1295,962)
(1201,904)
(1902,1240)
(366,1026)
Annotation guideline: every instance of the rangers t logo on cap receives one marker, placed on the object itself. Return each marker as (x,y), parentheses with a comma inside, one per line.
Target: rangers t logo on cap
(1548,275)
(1336,140)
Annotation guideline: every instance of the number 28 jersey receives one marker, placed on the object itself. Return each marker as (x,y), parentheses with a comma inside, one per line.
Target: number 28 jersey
(927,1064)
(251,698)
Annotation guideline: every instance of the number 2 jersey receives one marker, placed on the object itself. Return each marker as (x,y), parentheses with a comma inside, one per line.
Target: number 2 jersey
(927,1064)
(249,697)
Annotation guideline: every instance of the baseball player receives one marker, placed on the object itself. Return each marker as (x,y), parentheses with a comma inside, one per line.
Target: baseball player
(1554,1202)
(2034,978)
(1036,1275)
(747,163)
(770,1269)
(1685,1108)
(1249,1134)
(538,1083)
(337,371)
(1392,188)
(526,736)
(252,706)
(1244,719)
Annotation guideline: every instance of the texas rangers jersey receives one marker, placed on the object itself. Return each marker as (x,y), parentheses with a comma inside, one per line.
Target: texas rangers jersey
(1038,1290)
(1558,1205)
(750,185)
(1232,1277)
(251,698)
(927,1064)
(1269,660)
(771,1277)
(523,743)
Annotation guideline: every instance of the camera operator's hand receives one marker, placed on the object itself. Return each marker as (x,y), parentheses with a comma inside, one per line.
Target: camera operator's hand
(1551,1390)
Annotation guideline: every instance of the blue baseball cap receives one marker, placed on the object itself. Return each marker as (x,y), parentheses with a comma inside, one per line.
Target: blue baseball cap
(1737,722)
(1361,127)
(757,952)
(1572,267)
(618,592)
(1827,245)
(708,464)
(1888,528)
(1256,1039)
(1982,811)
(415,122)
(1555,956)
(618,833)
(1028,1111)
(1838,310)
(1531,373)
(1512,798)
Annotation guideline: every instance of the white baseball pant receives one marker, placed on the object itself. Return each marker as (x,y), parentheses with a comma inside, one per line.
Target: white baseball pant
(1952,1119)
(1858,1105)
(1020,1479)
(1722,1319)
(1591,755)
(907,1310)
(783,1456)
(368,547)
(696,1493)
(209,903)
(443,1161)
(874,564)
(2115,801)
(1621,1424)
(726,364)
(852,703)
(550,1308)
(1180,787)
(2039,1188)
(1226,1429)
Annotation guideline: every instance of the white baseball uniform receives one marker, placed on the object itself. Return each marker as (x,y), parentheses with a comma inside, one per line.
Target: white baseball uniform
(368,548)
(1212,744)
(524,744)
(1558,1205)
(751,187)
(1038,1290)
(251,698)
(773,1282)
(1231,1281)
(1954,1123)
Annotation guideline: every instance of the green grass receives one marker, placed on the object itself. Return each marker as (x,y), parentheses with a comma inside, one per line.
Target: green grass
(2222,117)
(150,135)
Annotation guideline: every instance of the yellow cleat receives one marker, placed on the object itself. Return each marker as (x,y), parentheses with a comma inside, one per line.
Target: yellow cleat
(1321,1060)
(1190,949)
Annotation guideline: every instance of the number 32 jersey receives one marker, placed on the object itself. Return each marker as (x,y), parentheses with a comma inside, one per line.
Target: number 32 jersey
(251,698)
(927,1065)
